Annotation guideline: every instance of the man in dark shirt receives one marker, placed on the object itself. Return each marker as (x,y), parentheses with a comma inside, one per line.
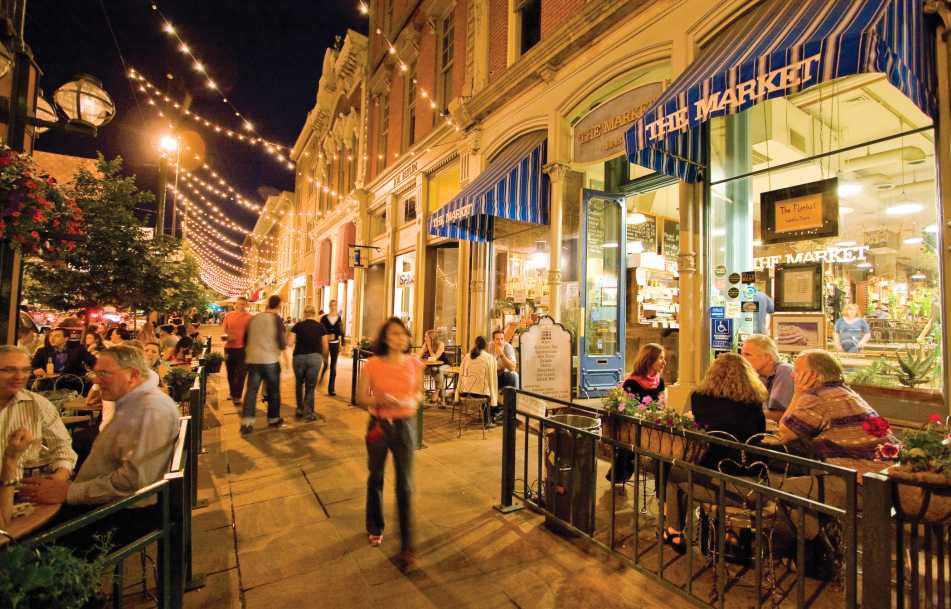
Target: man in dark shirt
(66,359)
(309,341)
(333,328)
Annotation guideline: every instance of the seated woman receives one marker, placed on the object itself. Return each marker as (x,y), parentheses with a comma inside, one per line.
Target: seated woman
(729,399)
(642,383)
(181,355)
(17,444)
(478,377)
(153,357)
(94,343)
(434,350)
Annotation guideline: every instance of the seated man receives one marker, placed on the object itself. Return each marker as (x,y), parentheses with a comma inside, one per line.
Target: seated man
(760,351)
(24,409)
(506,364)
(66,358)
(130,453)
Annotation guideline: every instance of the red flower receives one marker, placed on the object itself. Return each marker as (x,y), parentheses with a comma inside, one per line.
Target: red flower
(34,234)
(935,418)
(888,450)
(877,426)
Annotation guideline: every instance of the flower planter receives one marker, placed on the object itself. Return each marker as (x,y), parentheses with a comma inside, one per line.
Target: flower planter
(213,366)
(665,442)
(922,496)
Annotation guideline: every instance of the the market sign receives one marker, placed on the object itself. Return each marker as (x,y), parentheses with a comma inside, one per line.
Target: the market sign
(716,103)
(545,359)
(600,134)
(836,255)
(438,220)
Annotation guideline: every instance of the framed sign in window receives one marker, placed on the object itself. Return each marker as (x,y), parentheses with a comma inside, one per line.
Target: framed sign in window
(807,211)
(798,287)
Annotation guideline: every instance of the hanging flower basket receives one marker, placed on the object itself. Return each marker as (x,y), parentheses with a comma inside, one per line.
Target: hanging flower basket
(35,216)
(922,496)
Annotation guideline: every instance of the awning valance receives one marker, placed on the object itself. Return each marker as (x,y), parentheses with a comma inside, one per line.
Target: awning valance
(513,187)
(777,49)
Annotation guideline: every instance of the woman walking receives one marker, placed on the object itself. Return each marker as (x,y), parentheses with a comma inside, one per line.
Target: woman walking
(391,387)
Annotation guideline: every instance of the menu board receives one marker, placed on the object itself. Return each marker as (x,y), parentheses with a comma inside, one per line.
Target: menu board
(545,359)
(645,232)
(671,245)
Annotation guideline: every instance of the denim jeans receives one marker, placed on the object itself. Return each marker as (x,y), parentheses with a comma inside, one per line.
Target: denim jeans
(399,436)
(271,375)
(306,367)
(332,364)
(237,371)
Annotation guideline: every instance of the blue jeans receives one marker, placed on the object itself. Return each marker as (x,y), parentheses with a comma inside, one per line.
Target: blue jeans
(399,437)
(306,367)
(271,375)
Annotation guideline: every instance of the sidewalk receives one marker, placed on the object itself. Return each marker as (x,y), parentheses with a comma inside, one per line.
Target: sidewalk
(285,523)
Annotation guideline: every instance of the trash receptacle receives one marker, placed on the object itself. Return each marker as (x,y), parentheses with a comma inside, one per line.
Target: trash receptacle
(570,470)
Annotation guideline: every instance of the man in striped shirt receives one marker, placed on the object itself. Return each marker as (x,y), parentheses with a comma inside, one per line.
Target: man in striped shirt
(20,408)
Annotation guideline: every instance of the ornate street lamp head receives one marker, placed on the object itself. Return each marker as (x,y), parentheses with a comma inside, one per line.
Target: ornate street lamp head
(84,100)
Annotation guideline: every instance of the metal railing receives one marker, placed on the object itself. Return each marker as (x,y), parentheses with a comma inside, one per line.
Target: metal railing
(196,408)
(766,516)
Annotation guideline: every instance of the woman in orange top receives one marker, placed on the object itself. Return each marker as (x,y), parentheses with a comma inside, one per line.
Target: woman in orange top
(391,387)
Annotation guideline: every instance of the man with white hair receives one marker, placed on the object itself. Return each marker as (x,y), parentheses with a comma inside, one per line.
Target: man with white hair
(761,352)
(131,452)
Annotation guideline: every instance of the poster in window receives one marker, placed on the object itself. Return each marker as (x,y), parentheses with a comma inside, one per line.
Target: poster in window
(806,211)
(799,287)
(671,245)
(799,332)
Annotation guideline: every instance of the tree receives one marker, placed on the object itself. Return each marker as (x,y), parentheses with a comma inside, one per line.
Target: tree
(115,261)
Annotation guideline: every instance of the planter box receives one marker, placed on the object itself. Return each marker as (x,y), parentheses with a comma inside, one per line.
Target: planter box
(664,442)
(922,496)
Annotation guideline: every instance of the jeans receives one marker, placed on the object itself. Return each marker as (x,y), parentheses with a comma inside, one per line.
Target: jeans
(271,375)
(332,364)
(305,381)
(237,371)
(397,436)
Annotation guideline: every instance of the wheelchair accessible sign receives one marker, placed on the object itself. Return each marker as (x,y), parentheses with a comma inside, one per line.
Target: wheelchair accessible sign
(721,334)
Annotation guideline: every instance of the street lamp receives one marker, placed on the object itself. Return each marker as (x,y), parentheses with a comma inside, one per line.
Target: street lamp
(84,101)
(168,144)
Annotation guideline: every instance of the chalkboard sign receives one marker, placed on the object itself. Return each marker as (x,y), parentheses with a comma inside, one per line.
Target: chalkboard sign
(671,245)
(645,232)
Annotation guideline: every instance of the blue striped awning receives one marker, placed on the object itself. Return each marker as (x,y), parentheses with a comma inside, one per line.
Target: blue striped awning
(513,187)
(777,49)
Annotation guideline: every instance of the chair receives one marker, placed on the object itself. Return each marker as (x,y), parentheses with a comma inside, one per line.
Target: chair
(468,406)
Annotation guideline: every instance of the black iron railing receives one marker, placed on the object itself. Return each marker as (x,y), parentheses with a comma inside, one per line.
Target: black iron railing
(758,523)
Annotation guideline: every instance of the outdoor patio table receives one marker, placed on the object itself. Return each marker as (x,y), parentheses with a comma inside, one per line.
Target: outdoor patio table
(24,525)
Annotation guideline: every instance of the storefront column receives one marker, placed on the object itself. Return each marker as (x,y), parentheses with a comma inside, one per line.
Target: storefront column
(557,172)
(359,274)
(691,317)
(942,8)
(739,251)
(392,205)
(463,337)
(419,282)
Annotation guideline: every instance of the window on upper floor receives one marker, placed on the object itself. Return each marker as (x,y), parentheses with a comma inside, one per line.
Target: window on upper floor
(530,18)
(409,105)
(444,76)
(377,223)
(409,209)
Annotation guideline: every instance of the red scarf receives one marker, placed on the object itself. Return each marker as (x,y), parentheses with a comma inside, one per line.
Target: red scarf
(650,381)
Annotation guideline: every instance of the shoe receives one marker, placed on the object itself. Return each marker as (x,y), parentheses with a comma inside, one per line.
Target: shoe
(298,415)
(331,393)
(406,560)
(246,429)
(675,540)
(375,541)
(309,417)
(276,424)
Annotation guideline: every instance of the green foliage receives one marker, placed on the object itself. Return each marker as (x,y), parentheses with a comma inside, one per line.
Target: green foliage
(617,401)
(879,373)
(214,356)
(915,367)
(926,449)
(179,380)
(50,576)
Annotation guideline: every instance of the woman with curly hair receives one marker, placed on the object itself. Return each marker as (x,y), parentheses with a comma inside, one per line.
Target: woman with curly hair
(729,399)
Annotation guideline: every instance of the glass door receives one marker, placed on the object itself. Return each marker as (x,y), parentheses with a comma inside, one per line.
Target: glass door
(601,348)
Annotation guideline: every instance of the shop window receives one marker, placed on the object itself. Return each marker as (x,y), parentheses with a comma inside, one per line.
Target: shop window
(520,289)
(404,278)
(409,105)
(530,18)
(444,86)
(445,287)
(409,209)
(841,239)
(378,224)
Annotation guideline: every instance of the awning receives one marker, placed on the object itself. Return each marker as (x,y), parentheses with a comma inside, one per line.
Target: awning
(324,253)
(346,236)
(513,187)
(777,49)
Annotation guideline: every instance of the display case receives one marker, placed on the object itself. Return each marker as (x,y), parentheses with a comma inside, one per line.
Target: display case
(656,297)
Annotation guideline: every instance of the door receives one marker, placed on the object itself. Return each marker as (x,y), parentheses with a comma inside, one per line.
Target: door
(603,290)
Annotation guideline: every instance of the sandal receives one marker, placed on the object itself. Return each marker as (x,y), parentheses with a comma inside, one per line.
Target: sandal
(676,540)
(376,541)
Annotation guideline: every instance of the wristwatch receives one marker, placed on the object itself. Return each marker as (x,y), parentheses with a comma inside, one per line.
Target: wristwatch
(8,483)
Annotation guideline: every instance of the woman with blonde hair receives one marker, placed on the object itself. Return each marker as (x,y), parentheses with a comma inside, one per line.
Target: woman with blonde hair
(729,399)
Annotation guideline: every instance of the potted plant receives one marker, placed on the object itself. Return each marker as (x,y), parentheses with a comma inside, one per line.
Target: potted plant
(665,437)
(52,576)
(212,362)
(179,381)
(923,469)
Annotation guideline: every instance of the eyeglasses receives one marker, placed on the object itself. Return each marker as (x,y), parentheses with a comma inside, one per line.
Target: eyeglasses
(106,373)
(14,370)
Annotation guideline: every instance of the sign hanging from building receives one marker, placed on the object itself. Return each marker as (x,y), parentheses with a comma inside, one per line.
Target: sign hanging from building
(545,359)
(600,134)
(807,211)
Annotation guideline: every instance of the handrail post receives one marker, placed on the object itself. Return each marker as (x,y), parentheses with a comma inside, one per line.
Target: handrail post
(181,487)
(194,430)
(509,401)
(876,542)
(353,376)
(202,400)
(170,583)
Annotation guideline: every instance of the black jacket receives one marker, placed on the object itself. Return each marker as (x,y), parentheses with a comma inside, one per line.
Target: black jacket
(739,419)
(79,361)
(334,330)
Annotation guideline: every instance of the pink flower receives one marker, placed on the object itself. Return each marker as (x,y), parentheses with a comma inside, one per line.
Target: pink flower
(647,399)
(621,407)
(934,418)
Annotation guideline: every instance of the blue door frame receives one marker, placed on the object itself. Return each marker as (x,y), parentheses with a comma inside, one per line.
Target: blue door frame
(601,348)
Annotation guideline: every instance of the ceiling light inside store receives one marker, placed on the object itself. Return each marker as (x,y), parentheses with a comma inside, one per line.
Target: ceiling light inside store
(635,247)
(610,245)
(932,228)
(636,218)
(904,209)
(848,189)
(912,240)
(757,242)
(919,276)
(718,232)
(846,244)
(864,265)
(844,211)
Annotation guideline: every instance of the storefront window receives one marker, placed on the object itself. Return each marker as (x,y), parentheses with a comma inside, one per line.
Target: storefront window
(603,268)
(520,271)
(445,292)
(403,288)
(825,247)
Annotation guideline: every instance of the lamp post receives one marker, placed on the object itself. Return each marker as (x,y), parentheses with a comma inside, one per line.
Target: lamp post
(81,106)
(167,144)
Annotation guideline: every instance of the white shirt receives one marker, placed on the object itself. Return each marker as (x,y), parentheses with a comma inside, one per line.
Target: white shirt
(479,376)
(40,417)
